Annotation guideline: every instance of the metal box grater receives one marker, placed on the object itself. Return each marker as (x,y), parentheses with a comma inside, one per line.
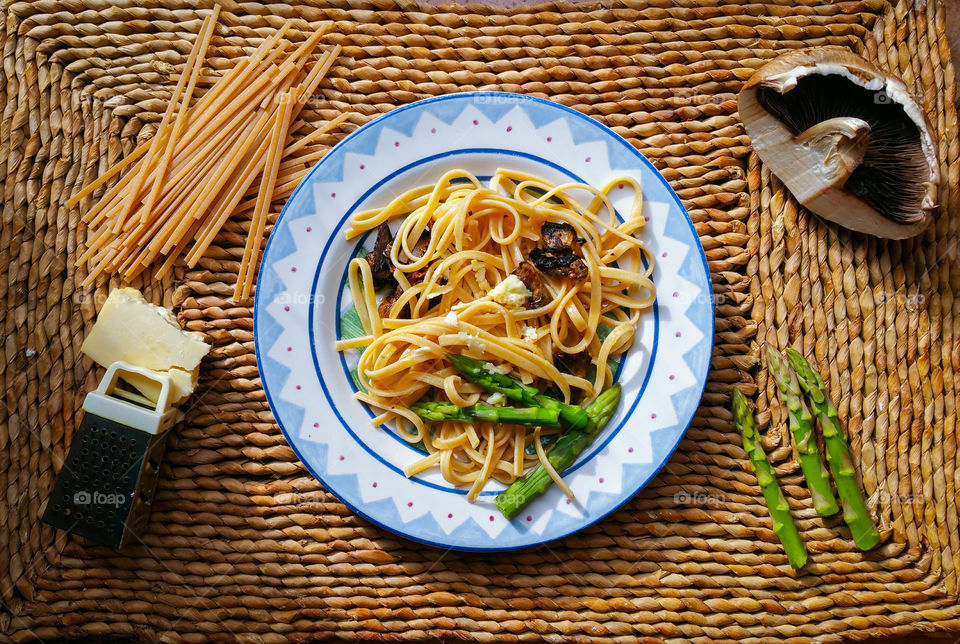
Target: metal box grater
(106,486)
(105,489)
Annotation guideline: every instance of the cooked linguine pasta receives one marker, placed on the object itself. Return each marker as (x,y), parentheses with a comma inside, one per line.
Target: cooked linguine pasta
(515,271)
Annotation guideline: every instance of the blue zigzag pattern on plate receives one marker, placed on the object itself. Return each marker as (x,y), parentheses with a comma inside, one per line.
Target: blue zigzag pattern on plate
(446,109)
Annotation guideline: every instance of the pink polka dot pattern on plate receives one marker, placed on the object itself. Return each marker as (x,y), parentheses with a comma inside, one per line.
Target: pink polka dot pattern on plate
(524,136)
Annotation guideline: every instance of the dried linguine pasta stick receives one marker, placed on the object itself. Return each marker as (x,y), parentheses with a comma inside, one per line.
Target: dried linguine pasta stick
(177,190)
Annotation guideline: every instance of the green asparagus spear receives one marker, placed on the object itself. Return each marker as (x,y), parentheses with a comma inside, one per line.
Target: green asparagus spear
(562,456)
(532,416)
(811,463)
(783,525)
(482,373)
(855,512)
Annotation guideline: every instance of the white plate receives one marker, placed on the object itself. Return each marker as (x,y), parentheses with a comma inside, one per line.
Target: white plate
(300,296)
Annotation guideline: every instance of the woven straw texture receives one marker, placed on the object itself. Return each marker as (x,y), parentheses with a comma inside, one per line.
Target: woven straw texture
(245,546)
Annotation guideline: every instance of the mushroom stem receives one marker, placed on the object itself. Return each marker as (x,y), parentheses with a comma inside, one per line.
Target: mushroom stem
(841,143)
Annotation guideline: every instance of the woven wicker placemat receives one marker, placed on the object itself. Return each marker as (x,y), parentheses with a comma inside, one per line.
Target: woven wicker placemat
(245,546)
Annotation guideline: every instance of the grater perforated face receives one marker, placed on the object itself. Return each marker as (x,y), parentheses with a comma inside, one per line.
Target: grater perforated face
(106,485)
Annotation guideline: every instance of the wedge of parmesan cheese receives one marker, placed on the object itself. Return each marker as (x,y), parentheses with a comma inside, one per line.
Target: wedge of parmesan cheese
(133,330)
(182,384)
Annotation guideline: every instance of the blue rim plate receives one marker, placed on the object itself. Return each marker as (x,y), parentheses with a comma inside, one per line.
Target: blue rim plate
(300,297)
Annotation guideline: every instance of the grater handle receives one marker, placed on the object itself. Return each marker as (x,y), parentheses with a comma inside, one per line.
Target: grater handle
(132,410)
(108,384)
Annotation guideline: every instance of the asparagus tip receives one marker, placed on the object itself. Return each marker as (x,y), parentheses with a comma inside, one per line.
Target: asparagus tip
(774,358)
(739,405)
(802,367)
(457,359)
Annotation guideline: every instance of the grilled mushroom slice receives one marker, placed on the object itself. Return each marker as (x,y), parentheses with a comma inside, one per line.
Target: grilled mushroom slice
(559,263)
(560,236)
(381,265)
(379,258)
(576,364)
(847,140)
(419,250)
(386,304)
(561,255)
(423,244)
(527,273)
(414,277)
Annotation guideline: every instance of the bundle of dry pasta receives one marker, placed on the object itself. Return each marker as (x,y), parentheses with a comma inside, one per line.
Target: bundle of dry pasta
(202,164)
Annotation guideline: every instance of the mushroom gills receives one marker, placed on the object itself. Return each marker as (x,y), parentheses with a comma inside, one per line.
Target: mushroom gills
(891,175)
